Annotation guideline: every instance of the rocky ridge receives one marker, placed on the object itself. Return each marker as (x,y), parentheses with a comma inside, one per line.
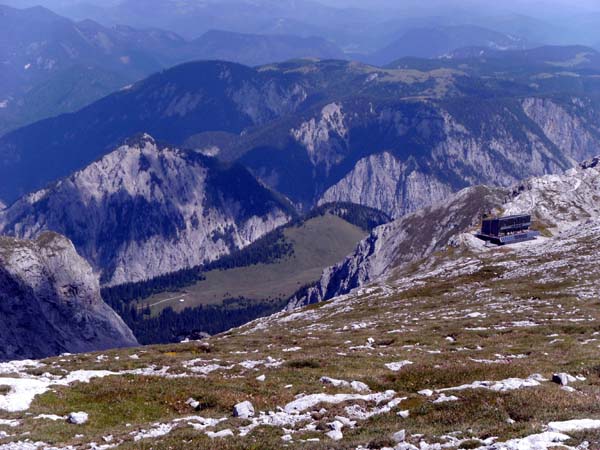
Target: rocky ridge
(145,210)
(402,243)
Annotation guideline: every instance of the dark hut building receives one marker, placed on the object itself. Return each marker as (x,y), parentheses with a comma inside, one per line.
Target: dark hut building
(507,230)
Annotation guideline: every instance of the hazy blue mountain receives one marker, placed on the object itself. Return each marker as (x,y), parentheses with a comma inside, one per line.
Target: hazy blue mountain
(254,49)
(54,65)
(545,65)
(435,42)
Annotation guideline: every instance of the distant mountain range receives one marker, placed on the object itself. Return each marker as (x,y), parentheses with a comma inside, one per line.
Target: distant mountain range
(437,42)
(53,65)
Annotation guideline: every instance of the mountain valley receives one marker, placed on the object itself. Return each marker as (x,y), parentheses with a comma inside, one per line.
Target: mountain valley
(252,282)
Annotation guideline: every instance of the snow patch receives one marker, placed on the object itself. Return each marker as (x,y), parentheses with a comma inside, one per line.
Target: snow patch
(574,425)
(396,366)
(509,384)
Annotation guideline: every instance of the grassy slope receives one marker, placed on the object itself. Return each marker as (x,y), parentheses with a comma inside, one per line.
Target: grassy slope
(318,243)
(409,319)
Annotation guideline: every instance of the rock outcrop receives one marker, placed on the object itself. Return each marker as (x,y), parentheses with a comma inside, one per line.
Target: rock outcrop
(50,302)
(560,201)
(145,210)
(399,156)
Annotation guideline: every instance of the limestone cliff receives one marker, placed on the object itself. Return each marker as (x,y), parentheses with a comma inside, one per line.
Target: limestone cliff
(50,302)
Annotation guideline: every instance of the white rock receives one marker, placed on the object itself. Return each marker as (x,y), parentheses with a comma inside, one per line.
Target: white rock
(336,430)
(356,385)
(563,379)
(574,425)
(345,421)
(193,403)
(443,398)
(334,382)
(404,414)
(53,417)
(219,434)
(78,418)
(396,366)
(243,410)
(426,392)
(359,386)
(261,378)
(508,384)
(399,436)
(306,402)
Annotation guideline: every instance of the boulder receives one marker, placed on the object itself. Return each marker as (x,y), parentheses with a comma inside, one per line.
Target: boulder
(563,379)
(399,436)
(243,410)
(78,418)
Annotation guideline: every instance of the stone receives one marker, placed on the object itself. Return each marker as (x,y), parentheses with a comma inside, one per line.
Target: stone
(563,379)
(336,430)
(243,410)
(193,403)
(399,436)
(78,418)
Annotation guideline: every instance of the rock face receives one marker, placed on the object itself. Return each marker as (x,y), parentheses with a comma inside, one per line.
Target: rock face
(144,210)
(386,183)
(325,138)
(569,129)
(397,244)
(50,302)
(400,156)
